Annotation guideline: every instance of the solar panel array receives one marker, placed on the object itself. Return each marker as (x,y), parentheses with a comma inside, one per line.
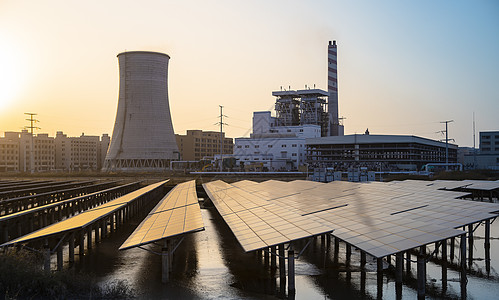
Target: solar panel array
(177,213)
(379,218)
(86,218)
(483,185)
(256,222)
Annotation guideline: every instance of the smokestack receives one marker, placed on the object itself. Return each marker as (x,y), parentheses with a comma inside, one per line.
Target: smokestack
(143,136)
(332,88)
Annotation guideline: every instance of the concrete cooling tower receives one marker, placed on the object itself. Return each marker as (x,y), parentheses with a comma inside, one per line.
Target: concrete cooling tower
(143,137)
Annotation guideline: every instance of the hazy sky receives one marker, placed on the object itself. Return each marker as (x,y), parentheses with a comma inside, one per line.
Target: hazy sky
(403,66)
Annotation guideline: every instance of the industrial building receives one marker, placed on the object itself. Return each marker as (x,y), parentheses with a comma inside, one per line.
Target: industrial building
(61,153)
(487,156)
(301,107)
(272,147)
(377,152)
(197,144)
(278,143)
(143,138)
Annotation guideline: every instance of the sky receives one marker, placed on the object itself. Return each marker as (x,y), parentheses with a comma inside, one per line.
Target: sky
(403,66)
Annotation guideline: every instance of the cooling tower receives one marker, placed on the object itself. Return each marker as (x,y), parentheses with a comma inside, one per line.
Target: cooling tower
(143,137)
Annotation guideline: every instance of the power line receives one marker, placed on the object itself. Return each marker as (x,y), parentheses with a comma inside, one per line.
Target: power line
(32,121)
(221,136)
(447,143)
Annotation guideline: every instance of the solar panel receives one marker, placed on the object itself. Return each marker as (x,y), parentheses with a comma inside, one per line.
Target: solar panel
(256,222)
(86,218)
(483,185)
(177,213)
(379,218)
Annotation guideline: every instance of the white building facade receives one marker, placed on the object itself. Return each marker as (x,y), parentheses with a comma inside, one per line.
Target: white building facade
(274,148)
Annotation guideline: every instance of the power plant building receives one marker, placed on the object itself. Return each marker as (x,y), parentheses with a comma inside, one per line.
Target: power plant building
(143,138)
(377,152)
(272,147)
(278,143)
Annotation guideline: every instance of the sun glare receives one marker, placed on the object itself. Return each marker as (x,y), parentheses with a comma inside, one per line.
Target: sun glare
(10,76)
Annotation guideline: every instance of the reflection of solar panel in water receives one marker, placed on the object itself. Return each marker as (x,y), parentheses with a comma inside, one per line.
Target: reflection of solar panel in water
(87,217)
(379,218)
(177,213)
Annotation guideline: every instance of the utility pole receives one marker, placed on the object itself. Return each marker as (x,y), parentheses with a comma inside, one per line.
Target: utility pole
(474,146)
(32,127)
(221,136)
(447,144)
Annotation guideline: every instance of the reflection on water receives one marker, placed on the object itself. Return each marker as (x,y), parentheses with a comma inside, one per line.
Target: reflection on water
(212,265)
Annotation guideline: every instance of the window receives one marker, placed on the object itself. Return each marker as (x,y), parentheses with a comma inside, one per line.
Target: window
(257,146)
(294,145)
(283,146)
(246,146)
(293,154)
(270,146)
(289,130)
(239,146)
(301,130)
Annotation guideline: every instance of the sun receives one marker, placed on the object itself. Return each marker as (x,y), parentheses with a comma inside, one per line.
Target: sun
(11,75)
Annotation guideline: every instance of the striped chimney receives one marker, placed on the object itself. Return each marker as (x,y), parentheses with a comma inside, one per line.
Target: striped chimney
(332,87)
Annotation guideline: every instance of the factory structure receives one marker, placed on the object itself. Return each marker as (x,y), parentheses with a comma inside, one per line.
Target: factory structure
(143,138)
(384,153)
(307,132)
(487,155)
(278,143)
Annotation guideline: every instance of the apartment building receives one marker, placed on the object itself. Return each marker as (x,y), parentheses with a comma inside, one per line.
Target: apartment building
(198,144)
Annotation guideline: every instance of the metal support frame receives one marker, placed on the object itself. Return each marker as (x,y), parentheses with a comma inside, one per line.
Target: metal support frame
(166,254)
(282,267)
(72,247)
(291,272)
(421,272)
(379,276)
(487,246)
(408,261)
(362,259)
(165,265)
(470,246)
(444,265)
(463,278)
(399,266)
(46,255)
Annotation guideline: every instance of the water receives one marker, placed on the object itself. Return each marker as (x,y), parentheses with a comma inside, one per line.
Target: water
(211,265)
